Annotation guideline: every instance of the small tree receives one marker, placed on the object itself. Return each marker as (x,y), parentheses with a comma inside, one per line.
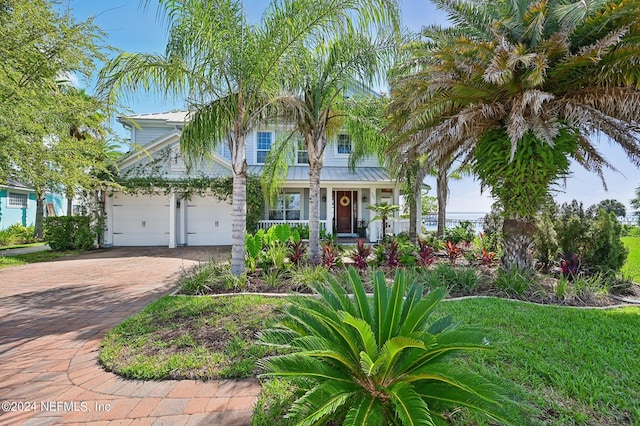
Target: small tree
(384,210)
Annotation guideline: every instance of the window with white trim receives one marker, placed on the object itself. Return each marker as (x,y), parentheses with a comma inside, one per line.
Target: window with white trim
(344,144)
(302,156)
(17,200)
(287,207)
(263,146)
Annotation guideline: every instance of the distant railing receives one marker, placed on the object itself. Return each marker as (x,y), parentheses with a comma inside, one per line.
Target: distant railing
(266,224)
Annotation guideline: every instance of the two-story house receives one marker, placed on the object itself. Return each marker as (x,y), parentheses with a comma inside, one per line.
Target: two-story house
(171,220)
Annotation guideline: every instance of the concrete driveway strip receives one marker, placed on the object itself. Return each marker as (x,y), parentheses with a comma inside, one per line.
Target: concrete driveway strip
(53,316)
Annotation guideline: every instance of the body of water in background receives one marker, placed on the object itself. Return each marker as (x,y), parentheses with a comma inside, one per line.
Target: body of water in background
(475,217)
(478,217)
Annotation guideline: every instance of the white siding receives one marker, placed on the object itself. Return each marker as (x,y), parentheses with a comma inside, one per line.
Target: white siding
(148,134)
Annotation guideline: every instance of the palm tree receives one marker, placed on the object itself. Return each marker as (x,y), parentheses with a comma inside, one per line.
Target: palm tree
(529,73)
(227,69)
(327,70)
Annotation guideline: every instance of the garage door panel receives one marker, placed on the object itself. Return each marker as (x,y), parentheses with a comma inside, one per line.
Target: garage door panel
(140,220)
(208,222)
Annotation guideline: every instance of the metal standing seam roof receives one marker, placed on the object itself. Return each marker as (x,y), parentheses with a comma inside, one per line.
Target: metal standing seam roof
(172,116)
(333,174)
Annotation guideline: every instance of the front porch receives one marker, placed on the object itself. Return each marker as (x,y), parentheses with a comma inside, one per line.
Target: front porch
(343,211)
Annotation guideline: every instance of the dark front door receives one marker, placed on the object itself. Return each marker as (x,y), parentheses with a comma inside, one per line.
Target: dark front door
(344,208)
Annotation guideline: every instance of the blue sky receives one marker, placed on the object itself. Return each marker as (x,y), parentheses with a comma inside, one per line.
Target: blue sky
(132,29)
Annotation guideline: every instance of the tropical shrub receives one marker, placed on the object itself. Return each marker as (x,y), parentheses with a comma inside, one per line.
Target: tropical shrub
(17,234)
(606,252)
(546,243)
(69,232)
(378,361)
(210,277)
(462,232)
(253,246)
(572,226)
(515,281)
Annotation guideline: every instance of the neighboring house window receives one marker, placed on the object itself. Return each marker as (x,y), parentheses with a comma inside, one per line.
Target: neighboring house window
(263,147)
(18,200)
(344,144)
(287,207)
(303,154)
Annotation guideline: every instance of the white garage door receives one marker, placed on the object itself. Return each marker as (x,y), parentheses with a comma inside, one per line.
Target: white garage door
(140,220)
(208,222)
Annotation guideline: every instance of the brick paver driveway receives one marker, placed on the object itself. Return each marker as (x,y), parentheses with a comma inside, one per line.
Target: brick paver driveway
(52,318)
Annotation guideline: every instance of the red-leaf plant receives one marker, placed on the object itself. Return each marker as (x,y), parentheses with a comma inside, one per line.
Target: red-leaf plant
(330,256)
(486,256)
(426,254)
(453,252)
(297,252)
(361,255)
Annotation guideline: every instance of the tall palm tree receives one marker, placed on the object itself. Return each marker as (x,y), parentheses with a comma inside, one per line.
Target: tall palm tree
(226,68)
(531,74)
(328,69)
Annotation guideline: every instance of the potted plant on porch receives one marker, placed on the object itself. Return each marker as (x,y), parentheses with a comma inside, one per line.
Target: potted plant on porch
(362,228)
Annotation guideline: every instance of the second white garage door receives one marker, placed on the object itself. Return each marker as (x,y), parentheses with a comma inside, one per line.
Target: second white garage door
(208,222)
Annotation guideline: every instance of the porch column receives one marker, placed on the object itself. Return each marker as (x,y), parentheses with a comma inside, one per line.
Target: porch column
(172,219)
(373,230)
(330,210)
(182,220)
(396,214)
(359,204)
(108,211)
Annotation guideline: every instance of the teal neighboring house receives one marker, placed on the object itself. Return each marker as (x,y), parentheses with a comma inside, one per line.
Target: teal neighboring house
(18,205)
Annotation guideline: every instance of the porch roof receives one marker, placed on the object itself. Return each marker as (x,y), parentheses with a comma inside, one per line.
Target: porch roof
(333,174)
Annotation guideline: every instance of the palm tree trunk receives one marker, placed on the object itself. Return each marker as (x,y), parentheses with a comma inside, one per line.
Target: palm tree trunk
(39,223)
(239,205)
(315,168)
(69,204)
(441,184)
(517,244)
(415,208)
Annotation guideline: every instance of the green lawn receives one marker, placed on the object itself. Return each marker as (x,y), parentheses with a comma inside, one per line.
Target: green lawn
(40,256)
(190,337)
(577,366)
(632,266)
(22,246)
(571,366)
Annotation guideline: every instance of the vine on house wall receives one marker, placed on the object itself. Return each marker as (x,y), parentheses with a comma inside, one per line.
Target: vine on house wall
(150,178)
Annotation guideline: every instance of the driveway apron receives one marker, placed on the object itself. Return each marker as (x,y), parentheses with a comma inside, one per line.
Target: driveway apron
(53,316)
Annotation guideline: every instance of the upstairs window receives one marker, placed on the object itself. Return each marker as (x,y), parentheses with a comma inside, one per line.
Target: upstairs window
(263,146)
(303,154)
(17,200)
(344,144)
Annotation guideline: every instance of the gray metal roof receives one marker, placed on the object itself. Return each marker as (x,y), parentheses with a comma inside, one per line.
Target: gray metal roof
(171,117)
(333,174)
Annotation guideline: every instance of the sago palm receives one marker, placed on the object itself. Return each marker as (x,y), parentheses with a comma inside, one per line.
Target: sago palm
(226,68)
(530,71)
(379,360)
